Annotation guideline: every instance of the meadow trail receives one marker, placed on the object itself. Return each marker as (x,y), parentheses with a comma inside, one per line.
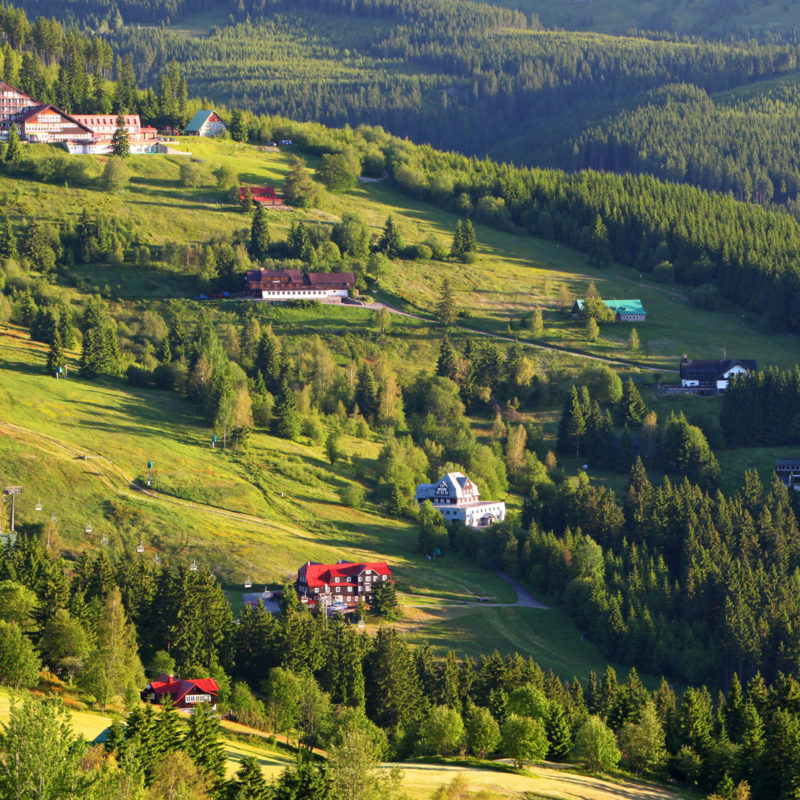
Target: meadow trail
(118,481)
(376,306)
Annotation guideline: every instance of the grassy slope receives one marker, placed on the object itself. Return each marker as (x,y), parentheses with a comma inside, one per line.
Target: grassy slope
(289,486)
(511,275)
(419,780)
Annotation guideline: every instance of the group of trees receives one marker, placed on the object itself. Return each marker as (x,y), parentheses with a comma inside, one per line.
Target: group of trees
(670,577)
(325,684)
(761,409)
(679,133)
(587,421)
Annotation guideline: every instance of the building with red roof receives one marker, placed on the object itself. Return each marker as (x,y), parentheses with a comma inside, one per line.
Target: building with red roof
(185,693)
(291,284)
(263,195)
(343,583)
(104,126)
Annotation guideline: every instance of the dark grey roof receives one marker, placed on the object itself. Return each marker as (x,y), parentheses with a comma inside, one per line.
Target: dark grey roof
(712,371)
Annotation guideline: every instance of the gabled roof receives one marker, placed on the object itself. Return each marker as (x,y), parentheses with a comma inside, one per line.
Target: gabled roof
(200,119)
(178,689)
(711,370)
(325,574)
(297,279)
(455,484)
(618,306)
(32,111)
(326,278)
(7,87)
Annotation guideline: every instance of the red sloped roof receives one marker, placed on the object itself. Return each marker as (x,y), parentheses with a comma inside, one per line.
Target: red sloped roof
(325,278)
(322,574)
(178,689)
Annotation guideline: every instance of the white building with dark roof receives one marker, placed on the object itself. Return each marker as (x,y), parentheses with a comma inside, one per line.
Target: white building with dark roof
(458,498)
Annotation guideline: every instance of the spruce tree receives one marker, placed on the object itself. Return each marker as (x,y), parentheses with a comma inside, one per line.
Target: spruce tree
(447,363)
(469,241)
(202,742)
(55,355)
(390,242)
(446,311)
(286,419)
(249,783)
(259,234)
(13,148)
(631,406)
(457,248)
(8,242)
(237,128)
(559,734)
(120,141)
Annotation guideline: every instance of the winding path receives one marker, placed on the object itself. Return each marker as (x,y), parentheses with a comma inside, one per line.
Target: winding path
(377,305)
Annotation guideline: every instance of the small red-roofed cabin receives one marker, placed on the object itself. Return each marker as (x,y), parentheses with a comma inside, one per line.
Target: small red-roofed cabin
(344,582)
(185,693)
(264,195)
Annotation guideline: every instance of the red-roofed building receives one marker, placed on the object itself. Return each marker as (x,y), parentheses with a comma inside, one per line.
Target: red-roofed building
(291,284)
(344,582)
(186,693)
(104,126)
(264,195)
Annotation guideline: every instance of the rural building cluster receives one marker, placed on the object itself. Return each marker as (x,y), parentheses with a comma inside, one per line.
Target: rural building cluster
(458,500)
(44,123)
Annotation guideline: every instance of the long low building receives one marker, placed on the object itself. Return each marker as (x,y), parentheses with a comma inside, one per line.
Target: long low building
(624,310)
(458,499)
(292,284)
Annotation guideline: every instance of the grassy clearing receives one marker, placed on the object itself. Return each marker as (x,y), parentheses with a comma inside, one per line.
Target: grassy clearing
(511,275)
(548,635)
(421,781)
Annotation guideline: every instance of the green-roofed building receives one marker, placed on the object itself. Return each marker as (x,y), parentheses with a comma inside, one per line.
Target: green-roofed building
(625,310)
(206,123)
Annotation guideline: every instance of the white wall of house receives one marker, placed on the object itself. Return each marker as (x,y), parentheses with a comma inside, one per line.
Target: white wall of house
(213,129)
(300,294)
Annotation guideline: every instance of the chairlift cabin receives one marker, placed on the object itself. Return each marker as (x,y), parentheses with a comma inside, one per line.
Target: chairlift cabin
(157,559)
(193,566)
(38,505)
(247,583)
(89,529)
(140,547)
(104,540)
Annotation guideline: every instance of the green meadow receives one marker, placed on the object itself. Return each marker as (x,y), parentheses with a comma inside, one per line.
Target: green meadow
(263,513)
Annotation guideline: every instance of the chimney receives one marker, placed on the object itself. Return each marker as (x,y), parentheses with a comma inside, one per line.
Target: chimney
(684,359)
(170,678)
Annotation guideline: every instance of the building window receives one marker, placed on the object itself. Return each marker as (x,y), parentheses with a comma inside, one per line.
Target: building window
(336,580)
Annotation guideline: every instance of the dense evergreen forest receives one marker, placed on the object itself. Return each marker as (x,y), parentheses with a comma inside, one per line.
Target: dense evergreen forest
(435,72)
(98,623)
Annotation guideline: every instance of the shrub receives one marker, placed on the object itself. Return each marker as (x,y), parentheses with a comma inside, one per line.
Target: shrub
(353,495)
(418,252)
